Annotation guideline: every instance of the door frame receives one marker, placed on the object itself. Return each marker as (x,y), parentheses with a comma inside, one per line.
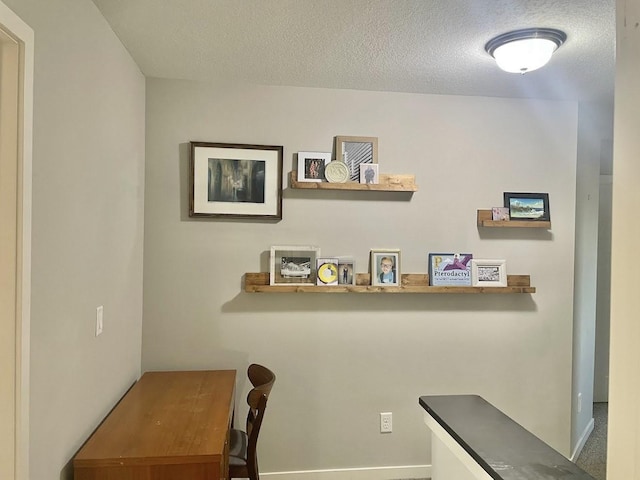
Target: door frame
(23,34)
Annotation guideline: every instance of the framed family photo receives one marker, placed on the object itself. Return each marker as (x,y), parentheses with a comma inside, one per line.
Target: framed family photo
(488,273)
(311,166)
(527,206)
(293,265)
(385,268)
(354,151)
(235,180)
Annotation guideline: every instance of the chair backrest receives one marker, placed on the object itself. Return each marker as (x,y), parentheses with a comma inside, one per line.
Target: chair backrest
(262,380)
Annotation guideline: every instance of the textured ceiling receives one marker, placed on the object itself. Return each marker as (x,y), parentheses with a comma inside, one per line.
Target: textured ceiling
(420,46)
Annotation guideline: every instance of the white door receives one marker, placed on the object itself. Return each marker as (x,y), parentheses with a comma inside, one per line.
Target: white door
(16,87)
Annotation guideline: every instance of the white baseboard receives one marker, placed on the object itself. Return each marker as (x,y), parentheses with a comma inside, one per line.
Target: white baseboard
(582,441)
(371,473)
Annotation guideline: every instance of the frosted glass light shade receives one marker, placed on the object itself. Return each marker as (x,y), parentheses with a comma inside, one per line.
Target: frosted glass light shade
(524,51)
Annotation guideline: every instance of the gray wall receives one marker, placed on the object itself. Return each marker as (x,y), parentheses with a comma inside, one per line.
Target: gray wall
(88,189)
(342,359)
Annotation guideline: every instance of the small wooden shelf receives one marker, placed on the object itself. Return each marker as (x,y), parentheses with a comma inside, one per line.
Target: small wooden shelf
(388,183)
(485,220)
(410,283)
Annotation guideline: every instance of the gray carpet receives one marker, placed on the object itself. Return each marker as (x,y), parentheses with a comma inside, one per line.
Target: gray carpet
(593,458)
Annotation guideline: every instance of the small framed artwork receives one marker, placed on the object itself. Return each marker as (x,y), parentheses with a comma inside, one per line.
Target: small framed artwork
(489,273)
(500,214)
(450,269)
(527,206)
(385,268)
(293,265)
(235,180)
(327,268)
(346,271)
(311,166)
(354,151)
(369,173)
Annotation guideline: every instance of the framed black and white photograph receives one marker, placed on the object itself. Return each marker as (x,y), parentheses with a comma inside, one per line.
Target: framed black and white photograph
(385,267)
(369,173)
(488,273)
(346,271)
(235,180)
(293,265)
(311,166)
(527,206)
(354,151)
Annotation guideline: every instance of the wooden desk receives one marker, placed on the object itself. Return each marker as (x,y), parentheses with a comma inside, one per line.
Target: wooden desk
(169,426)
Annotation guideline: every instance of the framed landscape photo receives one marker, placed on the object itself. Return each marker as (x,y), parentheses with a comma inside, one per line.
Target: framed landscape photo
(311,166)
(355,151)
(488,273)
(450,269)
(293,265)
(527,206)
(385,267)
(235,180)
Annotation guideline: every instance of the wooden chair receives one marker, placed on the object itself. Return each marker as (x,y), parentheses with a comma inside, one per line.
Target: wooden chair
(243,459)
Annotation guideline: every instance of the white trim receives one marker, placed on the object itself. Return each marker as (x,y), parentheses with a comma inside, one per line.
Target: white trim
(24,34)
(582,441)
(369,473)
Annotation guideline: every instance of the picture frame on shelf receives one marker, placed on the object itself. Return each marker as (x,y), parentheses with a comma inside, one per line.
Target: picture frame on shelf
(327,268)
(488,273)
(235,180)
(346,271)
(369,174)
(528,206)
(311,166)
(293,265)
(385,267)
(450,269)
(354,151)
(500,214)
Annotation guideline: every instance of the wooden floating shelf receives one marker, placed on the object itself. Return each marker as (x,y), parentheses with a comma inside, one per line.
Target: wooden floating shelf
(388,183)
(410,283)
(485,219)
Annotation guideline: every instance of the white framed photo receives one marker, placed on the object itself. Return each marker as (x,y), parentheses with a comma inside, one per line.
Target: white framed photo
(488,273)
(311,166)
(369,173)
(385,267)
(293,265)
(346,271)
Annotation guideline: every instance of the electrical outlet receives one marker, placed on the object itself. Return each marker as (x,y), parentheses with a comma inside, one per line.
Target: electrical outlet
(99,313)
(386,422)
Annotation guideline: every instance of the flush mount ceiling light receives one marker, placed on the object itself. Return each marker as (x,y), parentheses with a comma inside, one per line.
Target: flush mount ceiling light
(523,51)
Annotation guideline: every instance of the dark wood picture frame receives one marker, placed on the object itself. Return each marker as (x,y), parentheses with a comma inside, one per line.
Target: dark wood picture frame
(533,207)
(235,180)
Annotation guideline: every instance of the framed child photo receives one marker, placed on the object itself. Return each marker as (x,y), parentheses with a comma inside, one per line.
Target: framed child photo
(385,268)
(293,265)
(527,206)
(488,273)
(311,166)
(346,271)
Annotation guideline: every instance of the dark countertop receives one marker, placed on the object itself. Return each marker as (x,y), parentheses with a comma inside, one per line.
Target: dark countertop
(502,447)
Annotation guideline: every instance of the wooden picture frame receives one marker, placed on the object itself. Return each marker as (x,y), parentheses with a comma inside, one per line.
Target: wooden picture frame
(488,273)
(385,267)
(354,151)
(235,180)
(311,166)
(293,265)
(532,207)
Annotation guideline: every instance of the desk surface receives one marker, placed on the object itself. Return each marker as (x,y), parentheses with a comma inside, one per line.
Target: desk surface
(166,418)
(504,449)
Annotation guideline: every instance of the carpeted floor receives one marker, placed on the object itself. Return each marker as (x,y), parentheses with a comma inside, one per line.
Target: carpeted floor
(593,458)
